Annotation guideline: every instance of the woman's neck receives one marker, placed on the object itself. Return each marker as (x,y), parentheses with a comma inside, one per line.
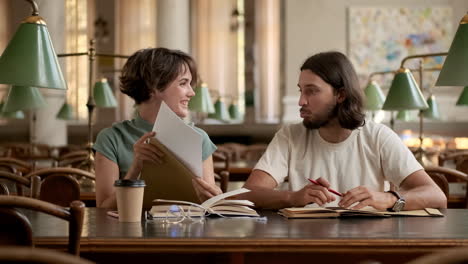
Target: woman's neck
(149,110)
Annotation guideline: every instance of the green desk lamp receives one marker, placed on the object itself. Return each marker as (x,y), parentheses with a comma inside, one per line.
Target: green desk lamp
(404,115)
(10,115)
(201,103)
(455,69)
(65,112)
(374,97)
(103,95)
(30,59)
(463,99)
(433,111)
(221,112)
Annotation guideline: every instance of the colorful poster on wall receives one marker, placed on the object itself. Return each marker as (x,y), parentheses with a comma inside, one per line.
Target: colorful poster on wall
(380,37)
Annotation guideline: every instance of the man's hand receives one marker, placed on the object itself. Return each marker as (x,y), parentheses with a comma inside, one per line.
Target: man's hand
(313,193)
(365,197)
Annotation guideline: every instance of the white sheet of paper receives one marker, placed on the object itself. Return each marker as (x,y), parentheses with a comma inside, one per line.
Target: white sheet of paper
(180,138)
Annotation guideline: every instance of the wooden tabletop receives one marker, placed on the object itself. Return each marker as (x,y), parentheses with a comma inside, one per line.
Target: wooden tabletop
(271,238)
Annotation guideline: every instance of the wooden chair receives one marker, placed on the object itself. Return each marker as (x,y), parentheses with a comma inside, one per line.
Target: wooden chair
(458,255)
(60,185)
(460,158)
(442,176)
(15,165)
(222,170)
(26,151)
(235,150)
(38,256)
(14,222)
(254,152)
(20,182)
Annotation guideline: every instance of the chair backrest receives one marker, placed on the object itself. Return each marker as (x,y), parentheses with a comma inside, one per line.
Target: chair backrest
(442,176)
(32,183)
(254,152)
(221,168)
(15,165)
(458,255)
(38,256)
(60,185)
(460,158)
(235,150)
(74,215)
(15,228)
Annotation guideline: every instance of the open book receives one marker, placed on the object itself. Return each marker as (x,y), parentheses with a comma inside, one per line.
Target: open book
(216,205)
(331,212)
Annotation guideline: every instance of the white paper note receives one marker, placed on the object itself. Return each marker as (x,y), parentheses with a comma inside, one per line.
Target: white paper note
(180,138)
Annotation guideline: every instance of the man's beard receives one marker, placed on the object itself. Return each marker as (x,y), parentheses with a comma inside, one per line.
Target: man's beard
(323,119)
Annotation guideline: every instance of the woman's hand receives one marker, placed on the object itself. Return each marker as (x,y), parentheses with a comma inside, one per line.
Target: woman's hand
(204,189)
(142,151)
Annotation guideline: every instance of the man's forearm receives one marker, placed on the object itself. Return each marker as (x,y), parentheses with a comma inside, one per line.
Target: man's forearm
(424,197)
(267,198)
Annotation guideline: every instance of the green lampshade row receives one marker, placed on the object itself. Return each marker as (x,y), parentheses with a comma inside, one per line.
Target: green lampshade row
(201,102)
(455,69)
(234,112)
(10,115)
(404,93)
(463,99)
(65,112)
(374,97)
(404,115)
(23,98)
(221,112)
(103,95)
(433,111)
(30,59)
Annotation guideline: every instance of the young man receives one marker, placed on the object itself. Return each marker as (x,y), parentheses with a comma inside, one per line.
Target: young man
(336,146)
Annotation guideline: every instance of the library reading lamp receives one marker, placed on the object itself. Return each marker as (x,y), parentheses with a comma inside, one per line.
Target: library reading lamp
(30,46)
(201,103)
(99,95)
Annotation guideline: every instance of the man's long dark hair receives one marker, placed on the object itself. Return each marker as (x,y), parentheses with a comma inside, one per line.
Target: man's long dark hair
(335,69)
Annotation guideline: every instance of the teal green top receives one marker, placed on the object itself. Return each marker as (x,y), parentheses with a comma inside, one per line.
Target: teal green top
(116,142)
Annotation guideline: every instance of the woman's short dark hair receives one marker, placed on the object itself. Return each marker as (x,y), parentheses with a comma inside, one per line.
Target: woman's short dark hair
(336,69)
(154,68)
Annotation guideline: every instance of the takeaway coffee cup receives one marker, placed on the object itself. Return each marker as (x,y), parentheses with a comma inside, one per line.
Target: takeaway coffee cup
(129,194)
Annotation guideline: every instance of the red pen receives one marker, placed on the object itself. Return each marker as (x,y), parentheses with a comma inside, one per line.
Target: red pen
(330,190)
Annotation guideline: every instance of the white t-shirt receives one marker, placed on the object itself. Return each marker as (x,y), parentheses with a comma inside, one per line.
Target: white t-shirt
(371,155)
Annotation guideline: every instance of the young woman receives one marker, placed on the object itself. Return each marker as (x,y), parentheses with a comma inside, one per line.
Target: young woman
(150,76)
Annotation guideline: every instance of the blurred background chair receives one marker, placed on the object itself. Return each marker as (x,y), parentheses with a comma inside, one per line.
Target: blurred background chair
(458,255)
(221,168)
(60,185)
(16,229)
(254,152)
(459,158)
(443,177)
(38,255)
(11,181)
(15,165)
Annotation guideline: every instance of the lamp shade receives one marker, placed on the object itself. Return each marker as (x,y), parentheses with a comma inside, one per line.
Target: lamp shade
(404,93)
(463,99)
(65,112)
(433,111)
(103,95)
(30,59)
(404,115)
(201,102)
(10,115)
(234,112)
(23,98)
(374,96)
(455,69)
(221,112)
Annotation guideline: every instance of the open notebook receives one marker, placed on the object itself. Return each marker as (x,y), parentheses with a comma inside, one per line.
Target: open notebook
(332,212)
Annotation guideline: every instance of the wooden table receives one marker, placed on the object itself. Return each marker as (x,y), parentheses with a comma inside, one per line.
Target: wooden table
(246,240)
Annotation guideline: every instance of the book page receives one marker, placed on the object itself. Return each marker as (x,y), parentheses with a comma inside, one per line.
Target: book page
(210,202)
(179,138)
